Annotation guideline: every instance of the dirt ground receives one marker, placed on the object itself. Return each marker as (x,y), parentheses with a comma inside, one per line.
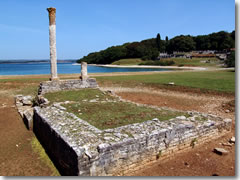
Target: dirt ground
(16,155)
(18,159)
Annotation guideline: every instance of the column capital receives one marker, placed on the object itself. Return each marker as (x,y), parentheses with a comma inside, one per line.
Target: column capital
(52,15)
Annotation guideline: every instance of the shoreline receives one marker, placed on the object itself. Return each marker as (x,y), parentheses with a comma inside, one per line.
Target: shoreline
(146,66)
(116,66)
(74,75)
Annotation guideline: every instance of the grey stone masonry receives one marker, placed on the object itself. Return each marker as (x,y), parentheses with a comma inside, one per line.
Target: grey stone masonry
(54,86)
(78,148)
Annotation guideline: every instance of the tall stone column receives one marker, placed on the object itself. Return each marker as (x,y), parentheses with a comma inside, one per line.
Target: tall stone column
(52,42)
(84,75)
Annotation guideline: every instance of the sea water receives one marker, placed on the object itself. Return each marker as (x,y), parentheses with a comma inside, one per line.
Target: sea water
(63,68)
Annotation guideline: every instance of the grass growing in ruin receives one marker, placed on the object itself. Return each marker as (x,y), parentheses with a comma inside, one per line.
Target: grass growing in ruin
(37,148)
(104,111)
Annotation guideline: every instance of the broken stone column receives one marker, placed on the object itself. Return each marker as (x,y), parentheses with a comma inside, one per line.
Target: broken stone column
(84,75)
(52,41)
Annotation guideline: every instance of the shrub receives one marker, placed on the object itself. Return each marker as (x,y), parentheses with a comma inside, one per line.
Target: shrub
(230,62)
(180,65)
(144,58)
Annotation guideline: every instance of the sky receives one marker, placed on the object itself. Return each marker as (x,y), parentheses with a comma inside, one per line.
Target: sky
(85,26)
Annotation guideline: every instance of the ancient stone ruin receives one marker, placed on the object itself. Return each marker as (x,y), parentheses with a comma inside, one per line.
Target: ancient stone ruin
(78,148)
(55,84)
(52,42)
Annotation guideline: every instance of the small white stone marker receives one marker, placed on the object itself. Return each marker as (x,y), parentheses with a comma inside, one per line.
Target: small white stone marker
(232,140)
(220,151)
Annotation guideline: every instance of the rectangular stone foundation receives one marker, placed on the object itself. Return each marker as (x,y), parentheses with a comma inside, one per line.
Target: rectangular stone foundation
(78,148)
(70,84)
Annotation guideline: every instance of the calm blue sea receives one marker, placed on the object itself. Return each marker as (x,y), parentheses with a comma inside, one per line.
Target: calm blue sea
(63,68)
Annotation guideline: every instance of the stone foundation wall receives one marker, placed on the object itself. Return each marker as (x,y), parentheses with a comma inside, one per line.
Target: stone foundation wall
(54,86)
(78,148)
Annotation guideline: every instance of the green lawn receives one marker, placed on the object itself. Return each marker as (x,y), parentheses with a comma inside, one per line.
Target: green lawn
(223,81)
(23,80)
(134,61)
(195,62)
(213,62)
(107,111)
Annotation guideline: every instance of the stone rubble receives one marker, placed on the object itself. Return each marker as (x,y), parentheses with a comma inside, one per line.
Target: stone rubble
(24,105)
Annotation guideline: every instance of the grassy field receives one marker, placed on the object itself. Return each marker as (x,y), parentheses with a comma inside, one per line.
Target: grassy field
(134,61)
(196,62)
(211,62)
(223,81)
(104,111)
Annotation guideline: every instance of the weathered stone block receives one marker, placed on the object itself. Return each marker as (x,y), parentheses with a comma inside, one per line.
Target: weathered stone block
(28,118)
(54,86)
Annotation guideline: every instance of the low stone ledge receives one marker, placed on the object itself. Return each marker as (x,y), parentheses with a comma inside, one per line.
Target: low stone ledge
(54,86)
(78,148)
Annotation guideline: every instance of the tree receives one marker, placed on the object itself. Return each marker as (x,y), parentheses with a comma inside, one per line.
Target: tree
(182,43)
(233,38)
(202,43)
(233,35)
(166,39)
(150,48)
(221,40)
(158,42)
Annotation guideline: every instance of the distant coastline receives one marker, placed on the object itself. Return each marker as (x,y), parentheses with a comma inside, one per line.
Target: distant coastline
(34,61)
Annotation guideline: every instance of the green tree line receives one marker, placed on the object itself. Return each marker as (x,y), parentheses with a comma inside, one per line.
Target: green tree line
(149,49)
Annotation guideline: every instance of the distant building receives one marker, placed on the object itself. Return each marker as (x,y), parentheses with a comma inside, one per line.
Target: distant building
(164,56)
(203,55)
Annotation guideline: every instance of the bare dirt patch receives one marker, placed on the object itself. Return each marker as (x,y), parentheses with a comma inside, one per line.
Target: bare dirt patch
(16,155)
